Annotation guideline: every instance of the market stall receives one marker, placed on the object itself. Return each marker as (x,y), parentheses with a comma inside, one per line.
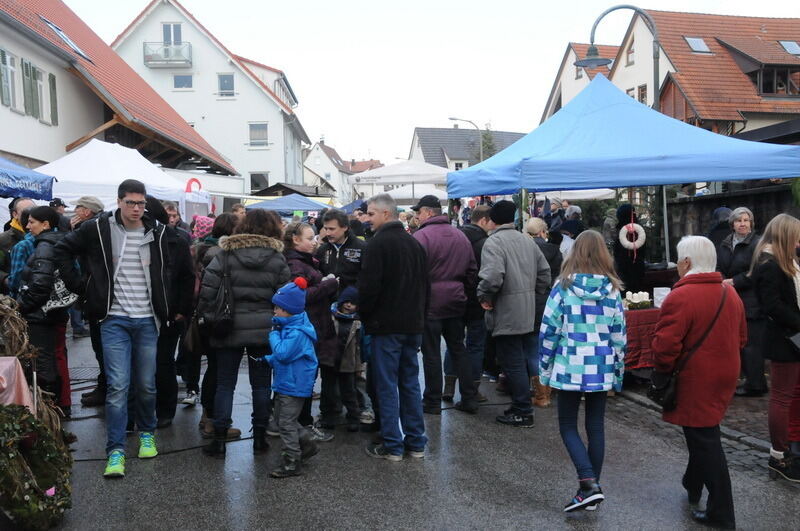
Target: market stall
(290,204)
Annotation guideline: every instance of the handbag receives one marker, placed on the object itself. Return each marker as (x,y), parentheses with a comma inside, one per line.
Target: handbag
(663,388)
(60,296)
(220,320)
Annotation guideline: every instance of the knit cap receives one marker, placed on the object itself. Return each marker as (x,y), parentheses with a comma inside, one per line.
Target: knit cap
(292,296)
(202,227)
(349,294)
(503,212)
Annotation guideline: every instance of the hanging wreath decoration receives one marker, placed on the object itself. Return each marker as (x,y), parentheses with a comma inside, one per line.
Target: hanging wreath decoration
(632,236)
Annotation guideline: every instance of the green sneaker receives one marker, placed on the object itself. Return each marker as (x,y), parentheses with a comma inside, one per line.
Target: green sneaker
(147,445)
(116,465)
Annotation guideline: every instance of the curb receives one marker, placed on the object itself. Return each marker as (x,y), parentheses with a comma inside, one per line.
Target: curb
(727,433)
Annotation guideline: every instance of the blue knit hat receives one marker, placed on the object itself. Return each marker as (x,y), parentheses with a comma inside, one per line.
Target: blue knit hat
(292,296)
(349,294)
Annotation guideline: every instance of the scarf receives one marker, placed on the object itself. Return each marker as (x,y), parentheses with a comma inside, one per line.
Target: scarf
(16,225)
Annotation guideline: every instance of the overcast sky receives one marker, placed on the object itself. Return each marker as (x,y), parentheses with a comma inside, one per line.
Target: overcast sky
(366,72)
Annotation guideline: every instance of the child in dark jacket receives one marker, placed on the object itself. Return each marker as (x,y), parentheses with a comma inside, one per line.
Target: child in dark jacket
(294,367)
(349,352)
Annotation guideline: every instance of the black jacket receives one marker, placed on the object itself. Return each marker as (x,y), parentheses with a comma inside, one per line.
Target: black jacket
(8,240)
(552,253)
(735,263)
(477,237)
(777,298)
(393,287)
(257,270)
(93,243)
(180,287)
(38,277)
(344,262)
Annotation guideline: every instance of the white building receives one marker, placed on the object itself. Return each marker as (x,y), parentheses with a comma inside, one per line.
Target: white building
(243,107)
(325,166)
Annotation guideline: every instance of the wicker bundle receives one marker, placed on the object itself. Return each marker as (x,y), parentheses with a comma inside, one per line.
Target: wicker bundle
(13,331)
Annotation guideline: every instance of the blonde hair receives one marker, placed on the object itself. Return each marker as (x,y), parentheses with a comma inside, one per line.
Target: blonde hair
(589,255)
(782,234)
(535,226)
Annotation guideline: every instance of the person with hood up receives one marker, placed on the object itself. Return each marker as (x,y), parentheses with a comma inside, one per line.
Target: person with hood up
(582,355)
(351,345)
(629,254)
(720,226)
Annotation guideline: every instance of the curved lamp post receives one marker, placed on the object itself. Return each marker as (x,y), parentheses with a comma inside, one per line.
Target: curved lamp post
(480,134)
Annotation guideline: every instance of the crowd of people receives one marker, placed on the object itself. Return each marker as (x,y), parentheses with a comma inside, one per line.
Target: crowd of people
(352,300)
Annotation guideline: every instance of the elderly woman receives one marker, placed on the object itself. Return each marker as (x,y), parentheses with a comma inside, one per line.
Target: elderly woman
(704,318)
(734,256)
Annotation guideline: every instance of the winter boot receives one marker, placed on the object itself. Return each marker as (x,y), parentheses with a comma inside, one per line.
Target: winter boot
(208,431)
(480,397)
(449,388)
(216,448)
(288,468)
(308,446)
(541,396)
(260,444)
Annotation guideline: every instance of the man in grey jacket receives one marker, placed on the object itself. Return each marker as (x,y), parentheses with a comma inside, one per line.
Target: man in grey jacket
(513,273)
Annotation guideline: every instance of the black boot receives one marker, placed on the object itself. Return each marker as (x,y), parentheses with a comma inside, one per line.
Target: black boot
(288,468)
(216,448)
(94,398)
(260,444)
(308,446)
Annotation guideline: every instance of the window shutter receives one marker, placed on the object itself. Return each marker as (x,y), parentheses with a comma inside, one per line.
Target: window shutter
(36,111)
(27,86)
(53,100)
(5,88)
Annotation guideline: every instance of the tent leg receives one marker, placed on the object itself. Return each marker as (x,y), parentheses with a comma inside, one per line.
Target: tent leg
(666,225)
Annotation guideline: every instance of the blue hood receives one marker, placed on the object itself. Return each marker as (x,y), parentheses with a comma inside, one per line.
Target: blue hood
(593,287)
(300,322)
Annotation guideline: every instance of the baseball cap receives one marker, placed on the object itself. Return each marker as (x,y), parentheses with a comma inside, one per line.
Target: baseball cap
(430,201)
(57,202)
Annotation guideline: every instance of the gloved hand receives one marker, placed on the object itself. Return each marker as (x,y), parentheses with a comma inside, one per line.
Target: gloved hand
(331,277)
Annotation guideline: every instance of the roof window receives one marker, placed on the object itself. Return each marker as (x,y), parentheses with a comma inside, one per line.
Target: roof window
(791,47)
(697,44)
(63,36)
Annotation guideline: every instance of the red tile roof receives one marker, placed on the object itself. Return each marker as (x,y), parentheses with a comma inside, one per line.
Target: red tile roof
(337,160)
(256,63)
(363,165)
(713,83)
(605,50)
(122,88)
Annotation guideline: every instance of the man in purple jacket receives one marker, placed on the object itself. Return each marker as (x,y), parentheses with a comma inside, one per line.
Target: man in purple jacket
(452,273)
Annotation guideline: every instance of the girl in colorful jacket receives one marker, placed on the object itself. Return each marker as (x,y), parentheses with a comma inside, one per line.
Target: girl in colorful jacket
(582,347)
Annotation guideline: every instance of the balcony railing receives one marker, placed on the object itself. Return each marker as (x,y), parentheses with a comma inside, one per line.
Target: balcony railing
(160,55)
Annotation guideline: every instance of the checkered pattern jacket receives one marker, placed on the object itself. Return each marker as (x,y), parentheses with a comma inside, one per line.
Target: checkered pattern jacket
(582,339)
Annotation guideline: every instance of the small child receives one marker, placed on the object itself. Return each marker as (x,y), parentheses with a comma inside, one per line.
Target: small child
(294,367)
(348,355)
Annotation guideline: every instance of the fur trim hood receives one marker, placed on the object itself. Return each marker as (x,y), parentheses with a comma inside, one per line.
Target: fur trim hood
(246,241)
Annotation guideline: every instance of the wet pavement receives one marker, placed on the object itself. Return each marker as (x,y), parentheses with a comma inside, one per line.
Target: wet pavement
(476,474)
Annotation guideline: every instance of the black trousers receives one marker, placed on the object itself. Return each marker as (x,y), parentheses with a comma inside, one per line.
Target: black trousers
(452,329)
(209,383)
(490,356)
(43,337)
(97,346)
(753,356)
(346,384)
(708,467)
(166,375)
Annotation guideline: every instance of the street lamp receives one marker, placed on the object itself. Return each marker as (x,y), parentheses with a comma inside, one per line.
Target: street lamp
(480,134)
(593,60)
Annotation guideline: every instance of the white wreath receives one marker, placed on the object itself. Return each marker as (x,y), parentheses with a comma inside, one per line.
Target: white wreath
(640,236)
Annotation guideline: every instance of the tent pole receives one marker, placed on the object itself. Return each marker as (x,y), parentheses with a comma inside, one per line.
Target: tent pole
(666,224)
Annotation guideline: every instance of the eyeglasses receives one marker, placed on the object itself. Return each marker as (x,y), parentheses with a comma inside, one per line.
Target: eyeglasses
(135,204)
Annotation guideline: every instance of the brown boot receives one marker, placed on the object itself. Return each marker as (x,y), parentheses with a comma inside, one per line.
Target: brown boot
(208,431)
(480,397)
(449,388)
(541,393)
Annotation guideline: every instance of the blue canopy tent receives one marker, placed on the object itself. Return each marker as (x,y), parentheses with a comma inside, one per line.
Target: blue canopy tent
(605,139)
(351,207)
(290,203)
(19,181)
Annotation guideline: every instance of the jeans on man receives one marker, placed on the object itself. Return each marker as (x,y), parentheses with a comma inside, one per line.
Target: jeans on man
(287,410)
(396,370)
(512,355)
(452,329)
(166,376)
(476,343)
(129,349)
(588,462)
(533,358)
(228,360)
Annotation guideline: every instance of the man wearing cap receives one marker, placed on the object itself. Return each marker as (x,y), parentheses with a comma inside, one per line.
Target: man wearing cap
(513,273)
(452,272)
(573,225)
(60,207)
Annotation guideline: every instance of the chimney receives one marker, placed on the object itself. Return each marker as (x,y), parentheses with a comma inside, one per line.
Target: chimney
(455,126)
(322,139)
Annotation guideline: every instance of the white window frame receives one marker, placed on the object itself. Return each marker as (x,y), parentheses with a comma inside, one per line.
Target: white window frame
(630,54)
(788,44)
(259,144)
(578,72)
(183,89)
(227,94)
(10,78)
(696,44)
(37,75)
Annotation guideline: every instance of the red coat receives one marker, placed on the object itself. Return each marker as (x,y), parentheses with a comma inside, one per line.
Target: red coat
(708,381)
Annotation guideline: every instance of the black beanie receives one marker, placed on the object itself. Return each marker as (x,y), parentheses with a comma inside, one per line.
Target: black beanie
(503,212)
(45,213)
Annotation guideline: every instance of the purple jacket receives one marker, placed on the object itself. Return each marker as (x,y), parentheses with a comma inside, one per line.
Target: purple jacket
(451,264)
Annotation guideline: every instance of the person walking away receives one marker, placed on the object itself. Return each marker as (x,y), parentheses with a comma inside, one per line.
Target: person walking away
(776,281)
(393,278)
(702,320)
(350,345)
(295,367)
(126,254)
(452,273)
(252,260)
(628,262)
(582,355)
(734,258)
(514,272)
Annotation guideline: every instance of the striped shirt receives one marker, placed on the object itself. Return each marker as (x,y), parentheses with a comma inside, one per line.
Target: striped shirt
(131,295)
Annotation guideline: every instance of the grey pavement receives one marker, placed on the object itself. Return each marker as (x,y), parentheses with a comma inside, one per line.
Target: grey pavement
(476,474)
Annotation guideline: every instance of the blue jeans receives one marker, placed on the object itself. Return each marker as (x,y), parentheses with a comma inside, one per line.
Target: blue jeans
(476,343)
(512,355)
(228,361)
(396,367)
(533,357)
(129,351)
(588,463)
(76,318)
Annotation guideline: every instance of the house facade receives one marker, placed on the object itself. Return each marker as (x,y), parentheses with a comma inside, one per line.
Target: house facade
(243,107)
(326,168)
(455,148)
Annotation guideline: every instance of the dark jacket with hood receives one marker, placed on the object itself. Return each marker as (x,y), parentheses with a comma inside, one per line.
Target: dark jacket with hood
(318,296)
(180,287)
(98,241)
(342,261)
(777,298)
(477,237)
(257,270)
(629,264)
(552,253)
(734,262)
(8,240)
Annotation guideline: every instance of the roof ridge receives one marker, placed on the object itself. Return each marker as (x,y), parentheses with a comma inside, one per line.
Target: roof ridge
(717,15)
(262,65)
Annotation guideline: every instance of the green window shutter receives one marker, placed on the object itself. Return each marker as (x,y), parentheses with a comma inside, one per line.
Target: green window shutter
(53,100)
(26,86)
(37,112)
(5,82)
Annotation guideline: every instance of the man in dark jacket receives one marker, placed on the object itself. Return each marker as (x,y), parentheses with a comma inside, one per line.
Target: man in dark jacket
(393,291)
(127,257)
(341,255)
(452,273)
(12,236)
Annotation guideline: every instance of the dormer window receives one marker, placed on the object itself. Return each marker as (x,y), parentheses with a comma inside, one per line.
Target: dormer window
(791,47)
(697,44)
(777,81)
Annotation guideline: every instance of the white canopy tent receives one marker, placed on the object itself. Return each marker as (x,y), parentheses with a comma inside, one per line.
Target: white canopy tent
(580,195)
(412,192)
(404,172)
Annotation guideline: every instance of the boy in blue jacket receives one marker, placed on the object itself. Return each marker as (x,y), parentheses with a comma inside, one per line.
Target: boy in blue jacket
(294,370)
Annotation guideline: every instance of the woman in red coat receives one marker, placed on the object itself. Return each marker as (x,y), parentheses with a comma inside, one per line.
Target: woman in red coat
(708,381)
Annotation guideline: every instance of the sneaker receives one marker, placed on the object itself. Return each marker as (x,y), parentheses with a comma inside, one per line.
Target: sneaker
(379,451)
(516,420)
(319,435)
(147,445)
(115,468)
(191,399)
(589,494)
(416,454)
(367,417)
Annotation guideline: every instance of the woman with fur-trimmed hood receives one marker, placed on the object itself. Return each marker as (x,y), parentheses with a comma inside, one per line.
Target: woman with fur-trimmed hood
(257,268)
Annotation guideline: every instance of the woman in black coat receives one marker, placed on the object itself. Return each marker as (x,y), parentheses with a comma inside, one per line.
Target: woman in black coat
(257,269)
(628,263)
(776,280)
(734,258)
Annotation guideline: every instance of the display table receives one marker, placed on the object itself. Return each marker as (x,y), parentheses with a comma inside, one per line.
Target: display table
(641,326)
(13,385)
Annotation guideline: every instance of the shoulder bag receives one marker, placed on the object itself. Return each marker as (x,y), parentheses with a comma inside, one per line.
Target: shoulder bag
(220,320)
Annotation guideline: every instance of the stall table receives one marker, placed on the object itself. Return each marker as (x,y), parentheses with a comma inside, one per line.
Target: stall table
(641,325)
